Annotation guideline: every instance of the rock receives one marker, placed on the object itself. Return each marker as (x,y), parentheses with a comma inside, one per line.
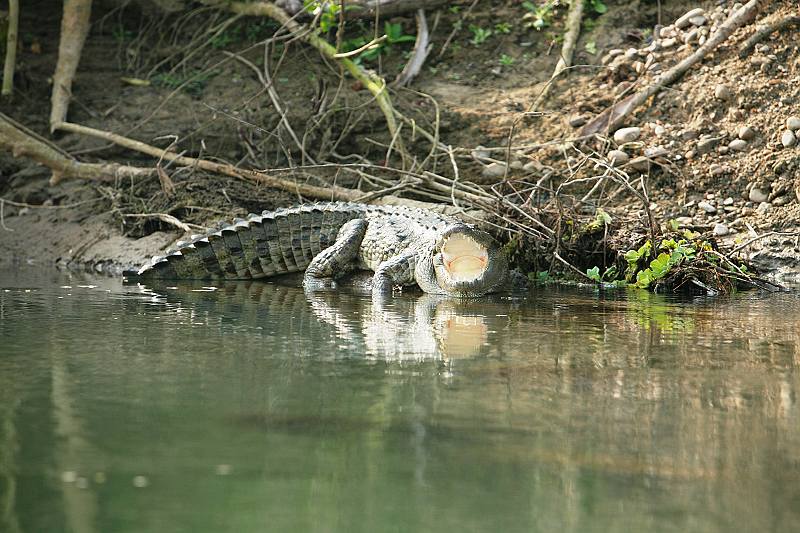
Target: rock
(656,151)
(788,139)
(716,170)
(479,152)
(577,121)
(705,146)
(793,123)
(686,19)
(728,201)
(516,164)
(626,135)
(707,207)
(494,170)
(689,135)
(757,196)
(659,130)
(618,158)
(698,20)
(684,221)
(781,200)
(722,92)
(641,163)
(746,133)
(669,42)
(738,144)
(720,230)
(763,207)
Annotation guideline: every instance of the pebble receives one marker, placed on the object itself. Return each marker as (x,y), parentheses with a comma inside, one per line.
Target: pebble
(738,144)
(656,151)
(720,230)
(641,163)
(686,19)
(577,121)
(669,42)
(618,158)
(788,139)
(689,135)
(659,130)
(684,221)
(480,152)
(626,135)
(763,207)
(728,201)
(707,207)
(494,170)
(793,123)
(706,145)
(757,195)
(722,92)
(746,133)
(698,20)
(716,170)
(516,165)
(140,482)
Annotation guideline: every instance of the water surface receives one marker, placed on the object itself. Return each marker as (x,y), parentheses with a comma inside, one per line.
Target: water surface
(254,407)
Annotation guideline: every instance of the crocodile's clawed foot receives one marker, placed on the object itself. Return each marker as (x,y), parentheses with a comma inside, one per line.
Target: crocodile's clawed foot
(319,284)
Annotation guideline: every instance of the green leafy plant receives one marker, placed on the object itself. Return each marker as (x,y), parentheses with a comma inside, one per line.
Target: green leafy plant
(506,60)
(539,16)
(591,47)
(502,27)
(479,35)
(394,36)
(598,6)
(230,36)
(327,12)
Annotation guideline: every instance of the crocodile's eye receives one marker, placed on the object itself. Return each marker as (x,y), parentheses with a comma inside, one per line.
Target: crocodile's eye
(464,258)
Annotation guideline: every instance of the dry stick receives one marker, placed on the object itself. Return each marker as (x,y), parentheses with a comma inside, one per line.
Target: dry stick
(421,49)
(310,191)
(169,219)
(372,82)
(22,144)
(74,28)
(765,31)
(11,48)
(573,31)
(613,117)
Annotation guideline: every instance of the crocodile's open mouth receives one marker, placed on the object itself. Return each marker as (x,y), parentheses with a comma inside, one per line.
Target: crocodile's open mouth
(464,259)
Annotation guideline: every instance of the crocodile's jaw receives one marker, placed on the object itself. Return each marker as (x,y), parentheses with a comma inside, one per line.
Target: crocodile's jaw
(465,262)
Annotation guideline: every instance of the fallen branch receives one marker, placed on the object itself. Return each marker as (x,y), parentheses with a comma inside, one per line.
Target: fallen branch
(74,29)
(11,48)
(22,144)
(764,31)
(309,191)
(573,31)
(613,117)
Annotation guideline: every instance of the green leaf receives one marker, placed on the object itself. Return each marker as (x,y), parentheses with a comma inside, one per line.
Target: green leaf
(660,266)
(593,274)
(644,278)
(591,47)
(599,7)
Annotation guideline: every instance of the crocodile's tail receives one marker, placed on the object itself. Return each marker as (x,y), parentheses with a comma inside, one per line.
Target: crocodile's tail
(269,244)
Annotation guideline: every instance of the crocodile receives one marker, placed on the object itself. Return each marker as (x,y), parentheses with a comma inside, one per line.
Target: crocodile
(402,245)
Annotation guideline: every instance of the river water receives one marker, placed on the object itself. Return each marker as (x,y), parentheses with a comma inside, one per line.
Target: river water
(254,407)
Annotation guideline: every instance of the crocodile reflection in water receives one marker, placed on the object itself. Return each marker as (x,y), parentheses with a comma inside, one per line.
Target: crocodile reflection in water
(409,327)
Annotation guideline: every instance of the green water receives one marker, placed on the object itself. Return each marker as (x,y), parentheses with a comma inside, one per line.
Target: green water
(253,407)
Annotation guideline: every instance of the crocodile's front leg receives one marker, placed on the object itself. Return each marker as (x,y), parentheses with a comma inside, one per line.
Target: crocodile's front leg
(338,259)
(398,270)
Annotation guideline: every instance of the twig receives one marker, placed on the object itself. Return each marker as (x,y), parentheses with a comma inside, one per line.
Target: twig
(614,116)
(2,217)
(573,31)
(74,29)
(762,236)
(457,27)
(11,48)
(572,267)
(372,44)
(169,219)
(39,206)
(764,31)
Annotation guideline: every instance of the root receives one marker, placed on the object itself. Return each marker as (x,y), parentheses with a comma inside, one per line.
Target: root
(11,48)
(74,29)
